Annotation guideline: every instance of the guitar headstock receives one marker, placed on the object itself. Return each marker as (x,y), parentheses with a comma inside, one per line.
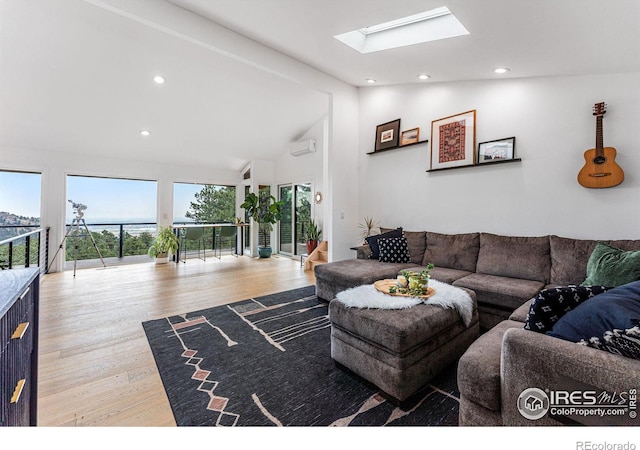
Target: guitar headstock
(599,109)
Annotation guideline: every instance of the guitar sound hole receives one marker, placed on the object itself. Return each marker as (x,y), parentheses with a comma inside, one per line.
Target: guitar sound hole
(599,160)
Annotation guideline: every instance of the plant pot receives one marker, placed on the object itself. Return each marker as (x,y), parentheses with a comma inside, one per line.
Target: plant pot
(264,252)
(311,246)
(162,258)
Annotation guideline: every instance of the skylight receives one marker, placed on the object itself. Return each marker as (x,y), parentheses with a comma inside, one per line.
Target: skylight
(439,23)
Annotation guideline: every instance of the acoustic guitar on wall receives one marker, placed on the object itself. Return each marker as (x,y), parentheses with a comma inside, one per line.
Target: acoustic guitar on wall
(600,169)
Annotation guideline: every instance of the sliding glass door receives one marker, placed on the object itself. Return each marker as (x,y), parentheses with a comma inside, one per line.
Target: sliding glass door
(286,223)
(295,218)
(303,216)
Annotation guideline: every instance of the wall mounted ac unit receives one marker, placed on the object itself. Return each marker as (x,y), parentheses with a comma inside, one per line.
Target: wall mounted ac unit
(303,147)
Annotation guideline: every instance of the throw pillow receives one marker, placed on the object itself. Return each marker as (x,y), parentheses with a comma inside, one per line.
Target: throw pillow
(373,241)
(394,250)
(616,309)
(551,304)
(611,266)
(619,342)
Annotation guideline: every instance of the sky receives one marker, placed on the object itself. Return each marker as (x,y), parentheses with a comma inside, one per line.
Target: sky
(106,199)
(20,193)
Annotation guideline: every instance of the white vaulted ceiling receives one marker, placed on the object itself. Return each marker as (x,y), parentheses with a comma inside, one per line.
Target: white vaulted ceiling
(75,75)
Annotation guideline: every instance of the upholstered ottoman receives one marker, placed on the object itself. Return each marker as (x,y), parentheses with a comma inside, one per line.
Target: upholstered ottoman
(399,350)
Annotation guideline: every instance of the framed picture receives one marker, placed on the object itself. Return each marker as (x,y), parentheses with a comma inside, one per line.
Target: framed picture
(453,141)
(410,136)
(498,150)
(387,135)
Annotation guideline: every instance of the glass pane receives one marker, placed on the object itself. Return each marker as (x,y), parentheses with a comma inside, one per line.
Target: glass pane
(247,230)
(286,224)
(19,203)
(109,217)
(303,215)
(203,203)
(19,214)
(264,239)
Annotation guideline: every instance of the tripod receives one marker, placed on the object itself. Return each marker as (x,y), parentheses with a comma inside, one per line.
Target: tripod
(75,227)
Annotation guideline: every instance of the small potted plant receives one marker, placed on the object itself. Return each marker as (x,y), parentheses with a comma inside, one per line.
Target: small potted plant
(312,236)
(266,211)
(165,243)
(415,283)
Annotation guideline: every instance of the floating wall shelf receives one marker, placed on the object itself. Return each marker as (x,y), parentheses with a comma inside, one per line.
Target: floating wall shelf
(487,164)
(398,146)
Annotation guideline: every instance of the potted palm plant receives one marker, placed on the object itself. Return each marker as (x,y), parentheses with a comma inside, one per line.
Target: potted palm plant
(312,236)
(165,243)
(266,211)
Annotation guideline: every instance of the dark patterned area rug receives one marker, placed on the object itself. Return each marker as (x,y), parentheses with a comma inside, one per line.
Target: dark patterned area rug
(266,361)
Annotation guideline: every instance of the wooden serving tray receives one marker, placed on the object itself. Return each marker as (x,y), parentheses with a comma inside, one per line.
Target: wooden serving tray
(383,286)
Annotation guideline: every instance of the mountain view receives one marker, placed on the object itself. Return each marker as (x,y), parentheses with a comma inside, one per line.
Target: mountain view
(17,223)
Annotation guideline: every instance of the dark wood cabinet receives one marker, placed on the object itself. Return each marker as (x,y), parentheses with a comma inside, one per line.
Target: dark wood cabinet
(19,301)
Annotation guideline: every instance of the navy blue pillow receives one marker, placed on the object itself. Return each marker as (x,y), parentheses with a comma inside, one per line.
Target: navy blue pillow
(616,309)
(373,241)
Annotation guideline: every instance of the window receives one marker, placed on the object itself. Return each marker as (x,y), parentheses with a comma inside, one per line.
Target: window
(19,203)
(119,213)
(204,203)
(19,214)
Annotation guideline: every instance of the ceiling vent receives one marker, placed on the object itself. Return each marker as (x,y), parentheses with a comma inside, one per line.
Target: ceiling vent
(303,147)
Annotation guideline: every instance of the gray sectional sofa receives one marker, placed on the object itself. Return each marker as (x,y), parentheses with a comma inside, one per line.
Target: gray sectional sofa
(506,273)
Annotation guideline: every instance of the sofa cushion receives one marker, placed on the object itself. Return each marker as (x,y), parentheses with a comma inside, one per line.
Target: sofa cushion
(520,314)
(551,304)
(569,257)
(619,342)
(479,367)
(453,251)
(393,250)
(503,292)
(514,256)
(373,241)
(445,274)
(612,266)
(355,272)
(616,309)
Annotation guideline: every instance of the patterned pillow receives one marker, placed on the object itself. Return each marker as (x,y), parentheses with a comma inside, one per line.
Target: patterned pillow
(373,241)
(551,304)
(394,250)
(620,342)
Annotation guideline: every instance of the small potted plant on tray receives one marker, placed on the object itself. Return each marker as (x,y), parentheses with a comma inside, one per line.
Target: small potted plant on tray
(413,283)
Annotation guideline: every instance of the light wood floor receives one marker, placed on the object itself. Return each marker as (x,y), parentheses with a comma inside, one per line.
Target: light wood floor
(96,367)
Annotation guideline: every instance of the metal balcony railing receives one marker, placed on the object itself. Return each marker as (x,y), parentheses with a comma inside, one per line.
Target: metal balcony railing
(26,249)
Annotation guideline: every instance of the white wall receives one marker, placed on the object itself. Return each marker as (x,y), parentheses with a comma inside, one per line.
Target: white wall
(552,121)
(55,166)
(306,168)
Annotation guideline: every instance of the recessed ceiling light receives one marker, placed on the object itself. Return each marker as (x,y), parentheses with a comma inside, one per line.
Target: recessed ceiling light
(144,132)
(370,80)
(501,70)
(424,76)
(159,79)
(427,26)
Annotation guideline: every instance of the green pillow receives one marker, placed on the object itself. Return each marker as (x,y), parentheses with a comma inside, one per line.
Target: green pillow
(611,266)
